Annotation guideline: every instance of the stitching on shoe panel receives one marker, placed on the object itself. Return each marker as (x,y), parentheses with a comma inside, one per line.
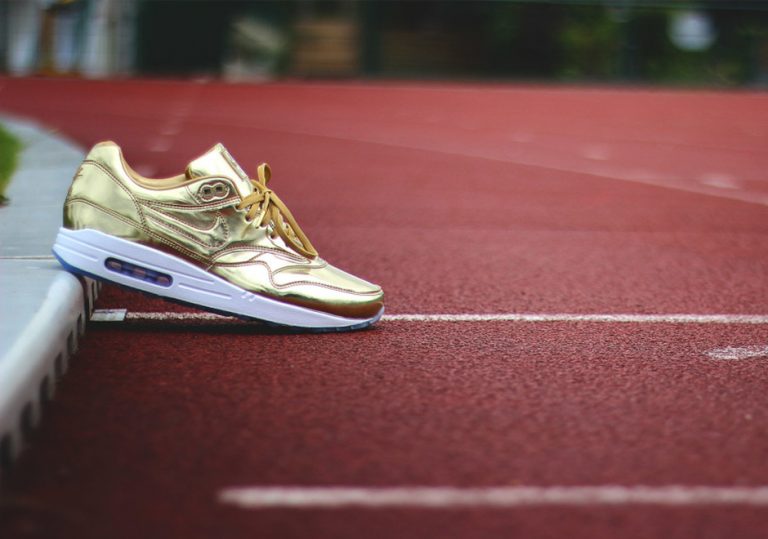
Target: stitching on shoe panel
(187,235)
(293,283)
(120,185)
(219,219)
(218,204)
(310,265)
(246,247)
(147,231)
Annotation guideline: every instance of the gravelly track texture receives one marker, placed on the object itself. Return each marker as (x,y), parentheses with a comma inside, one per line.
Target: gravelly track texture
(457,199)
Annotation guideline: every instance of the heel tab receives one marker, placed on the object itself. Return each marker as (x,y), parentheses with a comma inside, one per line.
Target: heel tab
(105,152)
(106,145)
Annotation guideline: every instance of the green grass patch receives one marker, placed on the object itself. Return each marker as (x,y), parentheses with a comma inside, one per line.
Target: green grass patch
(10,147)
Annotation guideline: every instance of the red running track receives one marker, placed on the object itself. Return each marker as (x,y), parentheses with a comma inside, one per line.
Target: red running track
(457,199)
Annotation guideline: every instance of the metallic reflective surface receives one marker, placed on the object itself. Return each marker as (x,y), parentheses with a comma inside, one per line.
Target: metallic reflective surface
(200,216)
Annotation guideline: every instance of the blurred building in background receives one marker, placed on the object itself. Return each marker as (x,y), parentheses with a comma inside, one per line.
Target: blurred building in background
(92,38)
(717,42)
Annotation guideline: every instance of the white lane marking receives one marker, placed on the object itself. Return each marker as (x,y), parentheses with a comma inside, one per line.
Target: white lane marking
(742,352)
(108,315)
(204,317)
(572,317)
(145,170)
(509,317)
(27,257)
(720,180)
(173,127)
(452,497)
(596,152)
(160,145)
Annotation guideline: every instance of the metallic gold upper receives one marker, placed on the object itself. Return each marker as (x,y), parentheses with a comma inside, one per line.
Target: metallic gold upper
(215,216)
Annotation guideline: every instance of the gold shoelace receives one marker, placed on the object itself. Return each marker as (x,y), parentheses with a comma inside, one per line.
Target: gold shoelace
(265,206)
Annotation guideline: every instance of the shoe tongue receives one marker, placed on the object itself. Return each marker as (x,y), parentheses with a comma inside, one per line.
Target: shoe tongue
(218,162)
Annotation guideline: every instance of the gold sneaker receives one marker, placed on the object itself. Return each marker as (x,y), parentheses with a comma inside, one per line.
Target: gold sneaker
(211,237)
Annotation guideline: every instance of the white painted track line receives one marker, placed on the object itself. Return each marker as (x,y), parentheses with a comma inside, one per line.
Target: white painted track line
(572,317)
(119,315)
(741,352)
(490,497)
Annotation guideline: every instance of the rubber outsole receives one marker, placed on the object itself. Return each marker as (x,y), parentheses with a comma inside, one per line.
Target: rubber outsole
(91,253)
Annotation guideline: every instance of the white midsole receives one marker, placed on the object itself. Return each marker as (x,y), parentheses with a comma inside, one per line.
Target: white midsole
(88,250)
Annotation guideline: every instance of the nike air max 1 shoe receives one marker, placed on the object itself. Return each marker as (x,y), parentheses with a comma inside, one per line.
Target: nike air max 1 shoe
(211,237)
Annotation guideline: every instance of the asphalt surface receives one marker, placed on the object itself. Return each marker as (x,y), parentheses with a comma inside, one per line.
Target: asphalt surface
(457,199)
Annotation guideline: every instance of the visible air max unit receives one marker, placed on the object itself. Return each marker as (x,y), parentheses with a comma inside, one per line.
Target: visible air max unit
(211,237)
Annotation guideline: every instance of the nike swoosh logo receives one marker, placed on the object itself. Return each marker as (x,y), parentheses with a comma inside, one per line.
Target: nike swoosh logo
(201,227)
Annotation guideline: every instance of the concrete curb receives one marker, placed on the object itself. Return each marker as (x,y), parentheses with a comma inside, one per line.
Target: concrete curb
(44,309)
